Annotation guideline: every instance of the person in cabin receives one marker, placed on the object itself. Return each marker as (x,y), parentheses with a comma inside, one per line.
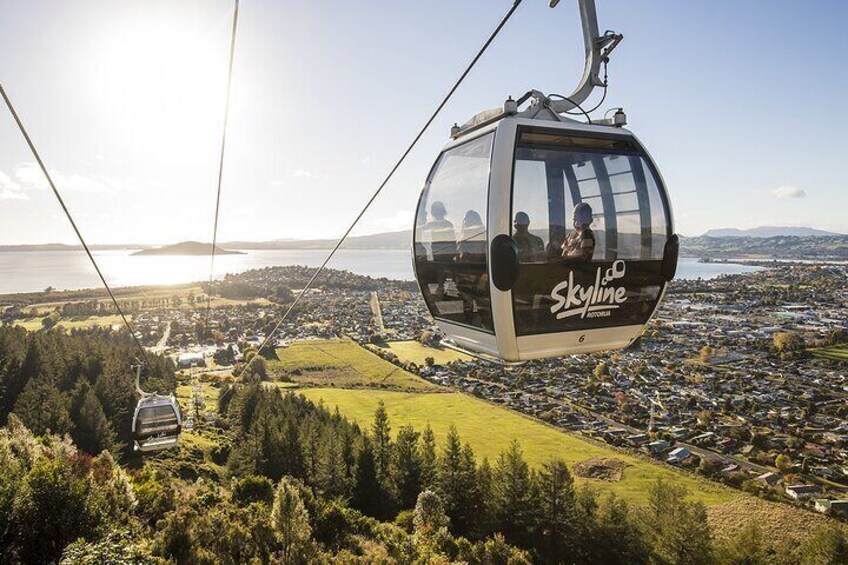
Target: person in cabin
(580,243)
(442,234)
(531,248)
(472,245)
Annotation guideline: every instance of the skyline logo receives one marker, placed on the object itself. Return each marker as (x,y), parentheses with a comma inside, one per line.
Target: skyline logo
(595,301)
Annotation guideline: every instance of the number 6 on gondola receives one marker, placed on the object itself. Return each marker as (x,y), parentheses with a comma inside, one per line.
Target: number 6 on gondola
(540,236)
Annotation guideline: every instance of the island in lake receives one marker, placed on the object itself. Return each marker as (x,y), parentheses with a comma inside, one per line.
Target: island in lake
(187,248)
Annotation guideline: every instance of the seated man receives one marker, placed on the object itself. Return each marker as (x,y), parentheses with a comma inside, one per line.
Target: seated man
(580,243)
(531,248)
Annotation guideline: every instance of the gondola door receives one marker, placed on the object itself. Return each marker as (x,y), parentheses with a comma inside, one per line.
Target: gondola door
(592,289)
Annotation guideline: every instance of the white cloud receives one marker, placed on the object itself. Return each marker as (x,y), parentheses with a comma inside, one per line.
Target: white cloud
(277,183)
(29,175)
(10,190)
(301,174)
(9,194)
(788,191)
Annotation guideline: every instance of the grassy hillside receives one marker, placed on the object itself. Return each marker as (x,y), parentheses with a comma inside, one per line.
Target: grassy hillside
(490,429)
(834,352)
(415,352)
(342,363)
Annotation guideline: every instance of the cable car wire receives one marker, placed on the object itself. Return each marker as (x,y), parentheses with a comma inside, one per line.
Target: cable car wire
(71,220)
(388,177)
(221,168)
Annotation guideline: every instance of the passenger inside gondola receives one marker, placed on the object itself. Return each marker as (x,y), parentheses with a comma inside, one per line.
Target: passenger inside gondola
(580,243)
(531,248)
(442,234)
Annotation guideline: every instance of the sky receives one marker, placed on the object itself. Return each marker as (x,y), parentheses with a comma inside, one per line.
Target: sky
(741,104)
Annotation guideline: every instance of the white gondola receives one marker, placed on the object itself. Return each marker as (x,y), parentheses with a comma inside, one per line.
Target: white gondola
(539,236)
(157,423)
(157,420)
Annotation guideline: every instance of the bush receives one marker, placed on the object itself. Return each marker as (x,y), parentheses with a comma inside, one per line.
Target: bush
(253,489)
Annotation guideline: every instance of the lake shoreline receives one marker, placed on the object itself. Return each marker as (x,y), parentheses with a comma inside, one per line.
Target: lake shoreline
(33,272)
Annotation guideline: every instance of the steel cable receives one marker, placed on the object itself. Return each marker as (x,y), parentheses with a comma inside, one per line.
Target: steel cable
(388,177)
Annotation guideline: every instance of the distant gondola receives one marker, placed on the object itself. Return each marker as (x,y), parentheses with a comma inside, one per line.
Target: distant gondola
(157,423)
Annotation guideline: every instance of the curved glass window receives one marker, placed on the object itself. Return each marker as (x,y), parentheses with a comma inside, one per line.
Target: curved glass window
(450,235)
(584,208)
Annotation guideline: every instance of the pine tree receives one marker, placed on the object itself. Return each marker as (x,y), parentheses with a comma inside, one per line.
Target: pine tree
(514,497)
(429,460)
(381,431)
(557,514)
(291,523)
(366,491)
(457,484)
(485,512)
(331,479)
(678,530)
(92,431)
(292,452)
(406,470)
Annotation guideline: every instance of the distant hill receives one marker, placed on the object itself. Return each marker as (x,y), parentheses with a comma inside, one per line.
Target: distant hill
(64,247)
(388,240)
(769,231)
(187,248)
(834,247)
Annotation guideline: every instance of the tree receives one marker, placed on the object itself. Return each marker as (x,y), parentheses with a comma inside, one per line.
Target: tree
(366,490)
(429,361)
(43,408)
(428,458)
(514,496)
(117,548)
(331,478)
(616,539)
(407,467)
(678,530)
(601,370)
(457,484)
(431,527)
(92,431)
(783,463)
(788,343)
(827,546)
(290,522)
(381,432)
(251,489)
(747,547)
(557,515)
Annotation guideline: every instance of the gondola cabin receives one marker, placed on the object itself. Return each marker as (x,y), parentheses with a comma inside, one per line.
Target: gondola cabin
(543,236)
(157,423)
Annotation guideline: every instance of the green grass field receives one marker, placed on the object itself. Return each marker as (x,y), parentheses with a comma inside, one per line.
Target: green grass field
(490,428)
(415,352)
(834,352)
(343,363)
(34,324)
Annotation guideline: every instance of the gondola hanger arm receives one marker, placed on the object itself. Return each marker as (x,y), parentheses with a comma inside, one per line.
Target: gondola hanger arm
(597,50)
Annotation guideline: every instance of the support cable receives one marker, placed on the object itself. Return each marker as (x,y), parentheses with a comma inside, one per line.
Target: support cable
(388,177)
(221,169)
(71,220)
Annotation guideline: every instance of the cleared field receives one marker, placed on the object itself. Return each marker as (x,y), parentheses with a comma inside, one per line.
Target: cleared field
(777,522)
(834,352)
(75,323)
(490,428)
(415,352)
(58,299)
(30,324)
(342,363)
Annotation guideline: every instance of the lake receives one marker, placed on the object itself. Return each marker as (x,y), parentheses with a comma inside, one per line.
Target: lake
(31,271)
